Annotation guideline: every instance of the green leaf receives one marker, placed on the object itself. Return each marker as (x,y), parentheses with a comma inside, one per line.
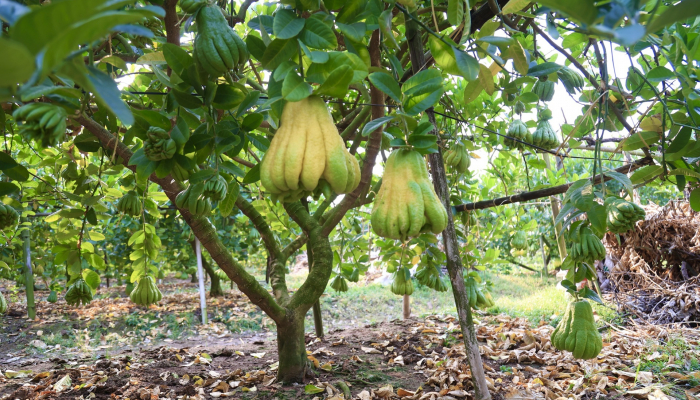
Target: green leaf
(294,88)
(387,84)
(543,69)
(70,39)
(422,91)
(680,141)
(226,205)
(684,172)
(311,389)
(581,195)
(177,58)
(423,142)
(496,40)
(96,236)
(354,32)
(286,24)
(318,35)
(519,57)
(336,85)
(455,12)
(582,10)
(683,11)
(34,92)
(180,132)
(660,74)
(186,100)
(250,100)
(92,278)
(695,199)
(6,161)
(646,173)
(201,176)
(17,173)
(640,140)
(468,66)
(587,293)
(514,6)
(253,175)
(279,51)
(16,68)
(228,97)
(7,188)
(622,178)
(598,217)
(256,46)
(316,56)
(107,91)
(444,55)
(318,73)
(42,24)
(486,79)
(351,10)
(374,124)
(115,61)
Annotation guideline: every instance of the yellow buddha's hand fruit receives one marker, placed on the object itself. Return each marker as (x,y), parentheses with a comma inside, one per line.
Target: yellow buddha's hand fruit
(406,203)
(306,150)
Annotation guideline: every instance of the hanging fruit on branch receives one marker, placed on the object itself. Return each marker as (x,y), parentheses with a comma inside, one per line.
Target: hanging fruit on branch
(217,48)
(577,333)
(517,130)
(9,217)
(191,6)
(622,214)
(544,136)
(458,157)
(586,246)
(158,144)
(43,122)
(339,284)
(146,292)
(78,293)
(572,80)
(3,304)
(407,204)
(305,151)
(402,283)
(195,203)
(544,89)
(130,204)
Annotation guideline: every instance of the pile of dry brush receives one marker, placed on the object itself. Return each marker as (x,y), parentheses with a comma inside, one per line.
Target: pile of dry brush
(654,270)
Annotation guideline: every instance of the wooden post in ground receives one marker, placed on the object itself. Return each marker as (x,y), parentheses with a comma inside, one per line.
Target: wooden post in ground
(200,277)
(406,306)
(28,274)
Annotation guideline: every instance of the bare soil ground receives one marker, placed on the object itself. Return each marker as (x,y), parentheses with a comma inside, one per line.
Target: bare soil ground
(112,349)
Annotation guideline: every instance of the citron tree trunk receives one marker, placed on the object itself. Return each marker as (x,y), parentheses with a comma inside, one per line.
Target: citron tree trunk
(291,347)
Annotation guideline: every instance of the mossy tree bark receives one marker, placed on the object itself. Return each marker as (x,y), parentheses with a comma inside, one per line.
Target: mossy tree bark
(449,235)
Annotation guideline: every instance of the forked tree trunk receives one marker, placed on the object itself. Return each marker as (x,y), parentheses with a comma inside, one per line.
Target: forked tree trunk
(291,347)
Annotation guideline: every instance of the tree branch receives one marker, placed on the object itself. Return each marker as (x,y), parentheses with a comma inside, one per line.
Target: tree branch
(240,16)
(583,70)
(200,226)
(372,149)
(538,194)
(320,248)
(277,260)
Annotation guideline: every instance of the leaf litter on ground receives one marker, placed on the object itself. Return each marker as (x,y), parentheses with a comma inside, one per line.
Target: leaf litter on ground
(412,360)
